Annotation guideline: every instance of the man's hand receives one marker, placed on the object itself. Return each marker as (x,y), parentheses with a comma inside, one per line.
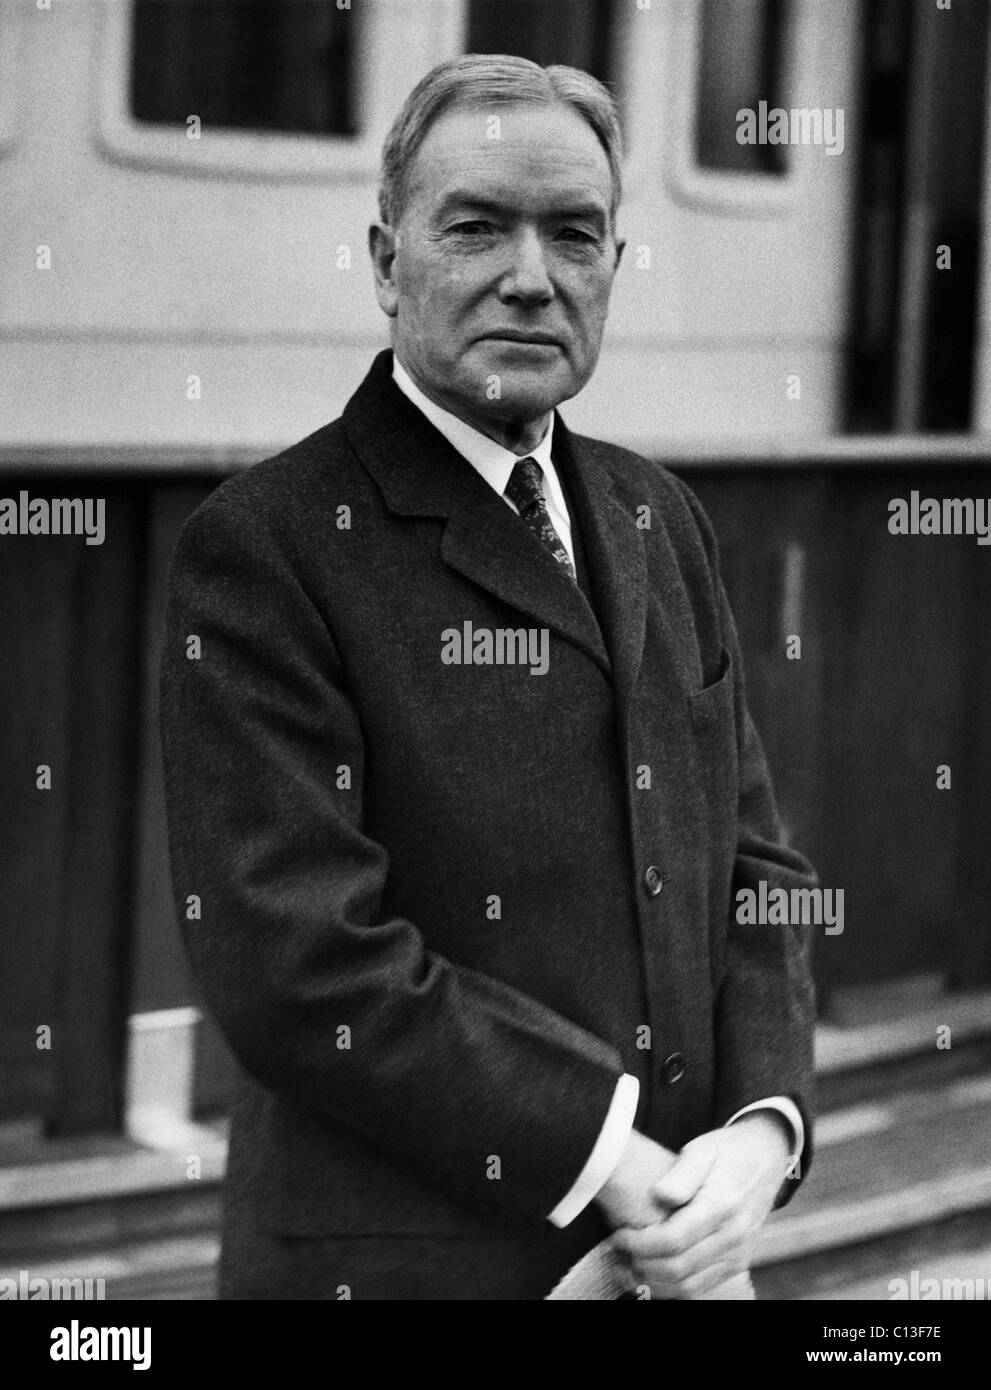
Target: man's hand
(626,1199)
(723,1185)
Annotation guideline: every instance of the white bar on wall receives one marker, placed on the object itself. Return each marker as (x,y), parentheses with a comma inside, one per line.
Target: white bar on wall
(159,1082)
(404,42)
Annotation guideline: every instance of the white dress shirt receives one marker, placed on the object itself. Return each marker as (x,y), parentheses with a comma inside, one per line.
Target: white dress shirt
(489,458)
(495,464)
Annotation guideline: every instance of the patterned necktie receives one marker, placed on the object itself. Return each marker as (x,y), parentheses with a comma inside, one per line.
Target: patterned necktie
(524,491)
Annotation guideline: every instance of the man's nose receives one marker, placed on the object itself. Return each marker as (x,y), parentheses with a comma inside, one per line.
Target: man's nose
(527,279)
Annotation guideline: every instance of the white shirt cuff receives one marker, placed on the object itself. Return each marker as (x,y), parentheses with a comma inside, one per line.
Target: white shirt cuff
(604,1158)
(790,1111)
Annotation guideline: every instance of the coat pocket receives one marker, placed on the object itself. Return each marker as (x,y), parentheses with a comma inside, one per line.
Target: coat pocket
(713,715)
(714,702)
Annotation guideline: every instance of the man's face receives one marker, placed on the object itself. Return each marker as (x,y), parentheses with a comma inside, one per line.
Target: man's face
(498,276)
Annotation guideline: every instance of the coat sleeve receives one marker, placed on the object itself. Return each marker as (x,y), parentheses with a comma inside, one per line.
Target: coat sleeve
(765,1008)
(495,1097)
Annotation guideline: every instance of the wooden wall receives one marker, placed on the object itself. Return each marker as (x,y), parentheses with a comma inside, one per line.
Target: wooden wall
(892,681)
(70,666)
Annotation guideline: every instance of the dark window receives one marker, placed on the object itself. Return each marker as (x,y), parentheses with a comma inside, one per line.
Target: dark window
(575,32)
(271,65)
(915,339)
(740,65)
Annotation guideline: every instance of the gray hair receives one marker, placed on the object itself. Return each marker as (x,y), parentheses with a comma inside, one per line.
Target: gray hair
(492,79)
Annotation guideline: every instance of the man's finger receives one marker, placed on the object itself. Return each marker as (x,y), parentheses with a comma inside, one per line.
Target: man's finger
(700,1220)
(695,1270)
(690,1274)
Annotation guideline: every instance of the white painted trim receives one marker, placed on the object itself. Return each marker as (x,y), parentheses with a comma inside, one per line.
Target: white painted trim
(884,451)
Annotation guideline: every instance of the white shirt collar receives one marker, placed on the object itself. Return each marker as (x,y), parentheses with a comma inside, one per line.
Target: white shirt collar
(490,459)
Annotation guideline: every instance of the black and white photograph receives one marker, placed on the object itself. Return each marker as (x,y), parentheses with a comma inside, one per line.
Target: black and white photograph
(495,583)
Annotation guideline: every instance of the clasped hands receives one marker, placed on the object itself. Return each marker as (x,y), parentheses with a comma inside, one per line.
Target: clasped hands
(686,1223)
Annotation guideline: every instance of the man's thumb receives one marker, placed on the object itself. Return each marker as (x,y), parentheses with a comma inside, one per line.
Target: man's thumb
(681,1182)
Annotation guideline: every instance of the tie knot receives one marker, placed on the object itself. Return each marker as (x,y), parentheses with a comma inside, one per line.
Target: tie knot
(524,486)
(526,495)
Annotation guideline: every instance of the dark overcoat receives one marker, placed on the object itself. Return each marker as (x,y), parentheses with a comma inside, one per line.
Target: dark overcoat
(438,908)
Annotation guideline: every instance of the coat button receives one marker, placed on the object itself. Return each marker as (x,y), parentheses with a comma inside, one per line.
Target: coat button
(672,1068)
(653,882)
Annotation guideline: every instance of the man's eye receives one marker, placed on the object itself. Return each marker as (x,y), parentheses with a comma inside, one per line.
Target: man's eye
(576,234)
(472,228)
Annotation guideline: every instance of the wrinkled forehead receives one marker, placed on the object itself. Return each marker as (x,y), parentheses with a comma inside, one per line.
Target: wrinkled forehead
(544,157)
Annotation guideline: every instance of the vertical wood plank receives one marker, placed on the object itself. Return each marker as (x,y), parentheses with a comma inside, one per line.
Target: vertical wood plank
(103,717)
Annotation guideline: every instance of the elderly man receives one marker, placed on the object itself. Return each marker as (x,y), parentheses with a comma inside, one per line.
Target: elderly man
(461,777)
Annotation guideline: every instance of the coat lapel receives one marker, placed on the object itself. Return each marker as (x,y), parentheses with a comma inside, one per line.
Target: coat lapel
(614,549)
(421,475)
(635,573)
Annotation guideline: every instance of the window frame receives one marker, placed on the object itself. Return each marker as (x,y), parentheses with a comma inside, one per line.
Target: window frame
(264,155)
(776,195)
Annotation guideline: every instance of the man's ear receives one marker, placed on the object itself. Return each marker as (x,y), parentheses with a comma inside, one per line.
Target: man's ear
(382,249)
(620,248)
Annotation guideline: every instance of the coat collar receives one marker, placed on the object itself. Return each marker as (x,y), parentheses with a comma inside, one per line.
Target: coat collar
(421,474)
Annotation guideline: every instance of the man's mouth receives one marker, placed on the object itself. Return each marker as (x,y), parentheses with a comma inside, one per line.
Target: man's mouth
(524,339)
